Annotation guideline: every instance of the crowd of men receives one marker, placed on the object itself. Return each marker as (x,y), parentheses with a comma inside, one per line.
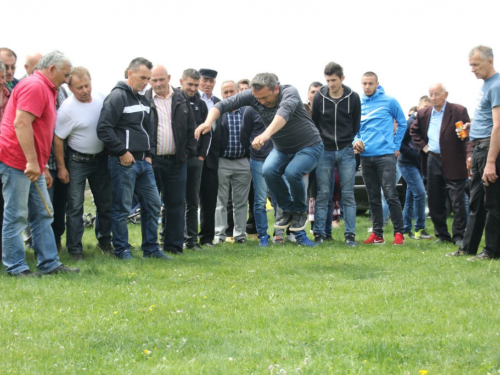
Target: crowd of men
(183,152)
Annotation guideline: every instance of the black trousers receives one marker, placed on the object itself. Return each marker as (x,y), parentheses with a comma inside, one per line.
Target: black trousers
(438,187)
(209,188)
(379,172)
(484,207)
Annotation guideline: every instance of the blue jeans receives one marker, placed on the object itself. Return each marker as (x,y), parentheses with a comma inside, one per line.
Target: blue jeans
(20,195)
(346,164)
(415,198)
(96,171)
(293,166)
(138,177)
(260,197)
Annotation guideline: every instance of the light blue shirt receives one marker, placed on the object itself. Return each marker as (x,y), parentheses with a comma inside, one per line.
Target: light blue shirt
(435,129)
(209,101)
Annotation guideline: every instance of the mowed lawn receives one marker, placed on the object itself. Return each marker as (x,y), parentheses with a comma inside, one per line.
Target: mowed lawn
(239,309)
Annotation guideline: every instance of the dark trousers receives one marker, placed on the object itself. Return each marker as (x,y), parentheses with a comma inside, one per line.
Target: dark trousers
(438,188)
(208,203)
(251,226)
(379,172)
(194,168)
(484,207)
(172,179)
(59,197)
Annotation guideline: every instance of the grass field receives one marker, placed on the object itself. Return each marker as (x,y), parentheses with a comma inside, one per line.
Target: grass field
(239,309)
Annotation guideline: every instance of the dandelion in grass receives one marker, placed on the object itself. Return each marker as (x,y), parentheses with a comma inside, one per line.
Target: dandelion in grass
(147,352)
(423,372)
(116,312)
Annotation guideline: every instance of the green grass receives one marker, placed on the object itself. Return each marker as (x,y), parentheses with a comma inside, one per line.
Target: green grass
(239,309)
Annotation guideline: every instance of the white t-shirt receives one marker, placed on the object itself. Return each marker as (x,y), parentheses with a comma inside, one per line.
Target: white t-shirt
(77,122)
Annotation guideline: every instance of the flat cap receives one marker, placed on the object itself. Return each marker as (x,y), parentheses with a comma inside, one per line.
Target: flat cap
(208,73)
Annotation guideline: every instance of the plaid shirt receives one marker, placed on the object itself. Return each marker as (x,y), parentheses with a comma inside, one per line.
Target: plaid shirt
(234,148)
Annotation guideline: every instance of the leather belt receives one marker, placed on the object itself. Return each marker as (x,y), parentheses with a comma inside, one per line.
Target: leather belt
(434,153)
(86,156)
(477,142)
(170,156)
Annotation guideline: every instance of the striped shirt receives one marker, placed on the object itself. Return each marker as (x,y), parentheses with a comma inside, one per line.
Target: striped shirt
(165,144)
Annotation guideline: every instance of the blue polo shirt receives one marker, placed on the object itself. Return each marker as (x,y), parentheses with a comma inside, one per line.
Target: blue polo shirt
(487,99)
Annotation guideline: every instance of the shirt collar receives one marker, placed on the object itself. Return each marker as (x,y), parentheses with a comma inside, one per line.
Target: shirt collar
(46,80)
(169,96)
(204,96)
(434,112)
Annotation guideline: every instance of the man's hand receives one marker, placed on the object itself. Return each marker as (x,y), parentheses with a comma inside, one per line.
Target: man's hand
(32,171)
(127,159)
(63,175)
(148,159)
(48,178)
(469,163)
(202,129)
(201,158)
(358,147)
(396,153)
(465,127)
(259,141)
(426,149)
(489,175)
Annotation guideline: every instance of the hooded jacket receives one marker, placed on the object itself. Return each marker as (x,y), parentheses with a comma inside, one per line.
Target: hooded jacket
(183,124)
(409,155)
(125,123)
(337,123)
(377,124)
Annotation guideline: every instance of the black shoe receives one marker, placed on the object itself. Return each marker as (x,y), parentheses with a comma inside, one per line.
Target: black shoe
(284,220)
(193,246)
(130,247)
(458,253)
(318,238)
(459,242)
(26,273)
(157,254)
(172,251)
(78,257)
(106,248)
(482,256)
(440,241)
(350,240)
(62,269)
(241,240)
(328,238)
(299,221)
(207,244)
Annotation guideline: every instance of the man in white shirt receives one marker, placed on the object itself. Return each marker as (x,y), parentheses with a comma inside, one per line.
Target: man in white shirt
(86,159)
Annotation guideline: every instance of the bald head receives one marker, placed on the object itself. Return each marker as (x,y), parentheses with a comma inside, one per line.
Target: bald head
(31,61)
(438,95)
(160,81)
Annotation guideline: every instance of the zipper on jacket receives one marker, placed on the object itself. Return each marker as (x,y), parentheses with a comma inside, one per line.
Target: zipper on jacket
(127,137)
(142,120)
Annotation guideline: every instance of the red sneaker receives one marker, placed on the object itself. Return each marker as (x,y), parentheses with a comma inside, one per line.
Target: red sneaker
(398,239)
(374,239)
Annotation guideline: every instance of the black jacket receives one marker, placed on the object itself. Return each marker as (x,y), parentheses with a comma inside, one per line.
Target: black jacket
(409,154)
(337,123)
(212,159)
(251,127)
(125,124)
(183,124)
(200,112)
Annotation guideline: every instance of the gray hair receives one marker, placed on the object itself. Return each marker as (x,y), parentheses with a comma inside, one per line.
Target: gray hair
(486,53)
(56,58)
(229,81)
(262,80)
(3,68)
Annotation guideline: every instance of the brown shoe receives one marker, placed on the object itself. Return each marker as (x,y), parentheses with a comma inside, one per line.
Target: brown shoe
(458,253)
